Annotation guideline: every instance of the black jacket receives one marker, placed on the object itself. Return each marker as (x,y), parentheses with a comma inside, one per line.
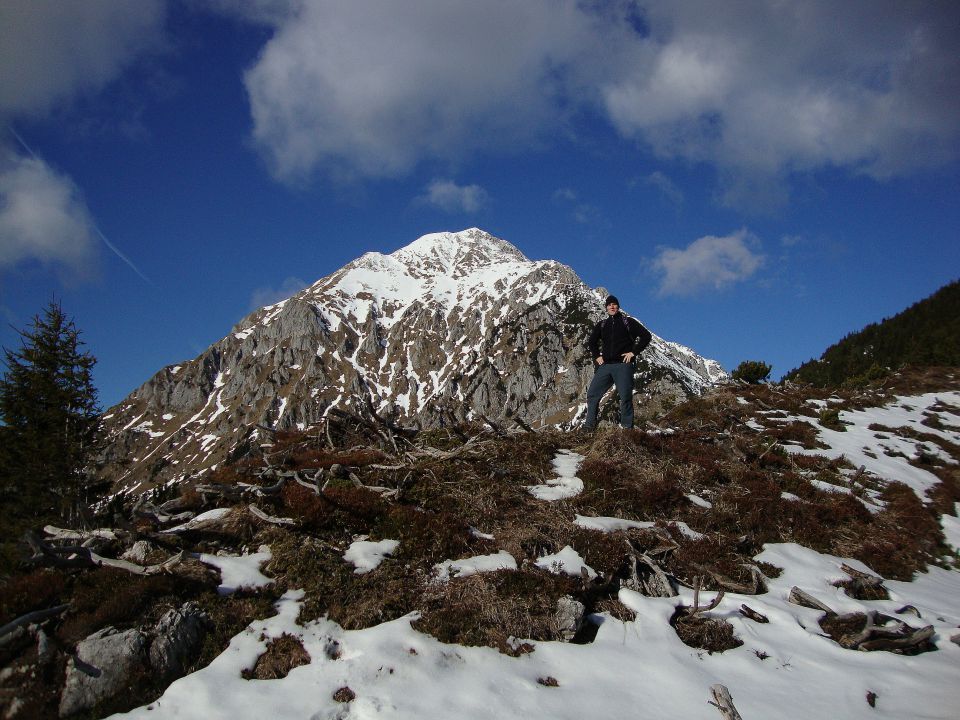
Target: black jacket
(617,335)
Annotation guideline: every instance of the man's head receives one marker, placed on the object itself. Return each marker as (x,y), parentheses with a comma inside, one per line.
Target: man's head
(613,305)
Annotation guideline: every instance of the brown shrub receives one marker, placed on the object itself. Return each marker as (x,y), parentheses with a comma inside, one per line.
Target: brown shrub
(344,695)
(616,489)
(36,590)
(340,510)
(107,596)
(905,535)
(702,631)
(426,538)
(490,608)
(282,655)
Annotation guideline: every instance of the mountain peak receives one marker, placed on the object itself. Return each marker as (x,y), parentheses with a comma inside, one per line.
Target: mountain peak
(457,253)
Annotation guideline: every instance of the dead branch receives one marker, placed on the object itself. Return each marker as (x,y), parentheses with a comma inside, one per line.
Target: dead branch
(723,701)
(799,597)
(81,535)
(695,609)
(646,576)
(257,512)
(771,447)
(866,577)
(756,586)
(908,609)
(8,630)
(749,612)
(522,424)
(77,555)
(493,426)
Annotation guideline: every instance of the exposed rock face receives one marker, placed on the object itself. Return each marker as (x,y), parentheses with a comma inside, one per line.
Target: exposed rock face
(109,661)
(453,325)
(103,666)
(178,636)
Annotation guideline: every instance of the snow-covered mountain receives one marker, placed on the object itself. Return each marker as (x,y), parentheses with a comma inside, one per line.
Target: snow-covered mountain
(452,326)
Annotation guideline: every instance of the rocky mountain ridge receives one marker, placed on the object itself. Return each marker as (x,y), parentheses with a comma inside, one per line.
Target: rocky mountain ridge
(452,327)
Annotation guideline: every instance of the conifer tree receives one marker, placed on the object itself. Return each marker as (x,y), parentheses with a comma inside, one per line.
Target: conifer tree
(48,406)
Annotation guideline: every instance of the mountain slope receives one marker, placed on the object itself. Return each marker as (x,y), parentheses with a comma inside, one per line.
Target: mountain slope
(926,334)
(453,326)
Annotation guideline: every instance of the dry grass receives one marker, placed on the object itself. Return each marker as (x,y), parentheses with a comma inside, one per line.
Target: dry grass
(282,655)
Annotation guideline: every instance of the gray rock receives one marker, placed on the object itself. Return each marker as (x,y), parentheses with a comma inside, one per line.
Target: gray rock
(140,552)
(569,617)
(103,666)
(178,637)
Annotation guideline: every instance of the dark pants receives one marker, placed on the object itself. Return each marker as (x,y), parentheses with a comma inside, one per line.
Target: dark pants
(605,376)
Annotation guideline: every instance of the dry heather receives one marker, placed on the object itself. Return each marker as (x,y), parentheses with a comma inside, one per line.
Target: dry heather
(462,492)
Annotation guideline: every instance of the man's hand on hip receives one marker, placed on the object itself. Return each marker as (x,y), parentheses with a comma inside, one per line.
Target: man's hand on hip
(628,356)
(600,360)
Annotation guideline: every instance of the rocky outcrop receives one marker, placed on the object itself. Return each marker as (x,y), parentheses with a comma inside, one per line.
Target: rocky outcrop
(103,666)
(454,324)
(110,661)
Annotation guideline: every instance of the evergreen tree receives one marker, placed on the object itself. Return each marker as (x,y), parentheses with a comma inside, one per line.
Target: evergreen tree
(48,406)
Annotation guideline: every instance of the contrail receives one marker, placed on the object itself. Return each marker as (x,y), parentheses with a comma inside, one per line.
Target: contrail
(120,255)
(103,237)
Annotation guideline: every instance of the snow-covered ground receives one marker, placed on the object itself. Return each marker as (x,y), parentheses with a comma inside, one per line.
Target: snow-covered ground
(639,669)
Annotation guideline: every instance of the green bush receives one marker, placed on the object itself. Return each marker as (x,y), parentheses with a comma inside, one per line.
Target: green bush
(752,371)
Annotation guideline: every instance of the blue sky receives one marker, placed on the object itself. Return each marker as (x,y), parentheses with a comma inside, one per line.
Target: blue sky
(753,179)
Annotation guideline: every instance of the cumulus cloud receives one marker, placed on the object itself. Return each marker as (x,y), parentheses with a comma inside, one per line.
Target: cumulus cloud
(759,90)
(370,89)
(708,263)
(42,217)
(765,88)
(52,51)
(263,296)
(453,198)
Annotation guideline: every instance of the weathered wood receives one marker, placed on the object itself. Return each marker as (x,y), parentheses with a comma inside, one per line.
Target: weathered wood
(899,643)
(908,609)
(8,630)
(757,584)
(695,609)
(723,701)
(257,512)
(799,597)
(749,612)
(81,535)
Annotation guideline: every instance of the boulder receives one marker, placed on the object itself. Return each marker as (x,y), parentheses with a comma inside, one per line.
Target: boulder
(569,617)
(103,665)
(178,636)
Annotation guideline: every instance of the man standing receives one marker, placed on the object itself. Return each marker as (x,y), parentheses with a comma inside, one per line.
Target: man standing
(614,343)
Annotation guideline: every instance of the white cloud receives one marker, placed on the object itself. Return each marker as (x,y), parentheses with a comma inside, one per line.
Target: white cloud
(370,89)
(453,198)
(53,51)
(42,217)
(709,263)
(263,296)
(766,88)
(759,90)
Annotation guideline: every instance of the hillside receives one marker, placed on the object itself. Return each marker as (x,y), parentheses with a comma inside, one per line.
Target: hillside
(477,571)
(925,334)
